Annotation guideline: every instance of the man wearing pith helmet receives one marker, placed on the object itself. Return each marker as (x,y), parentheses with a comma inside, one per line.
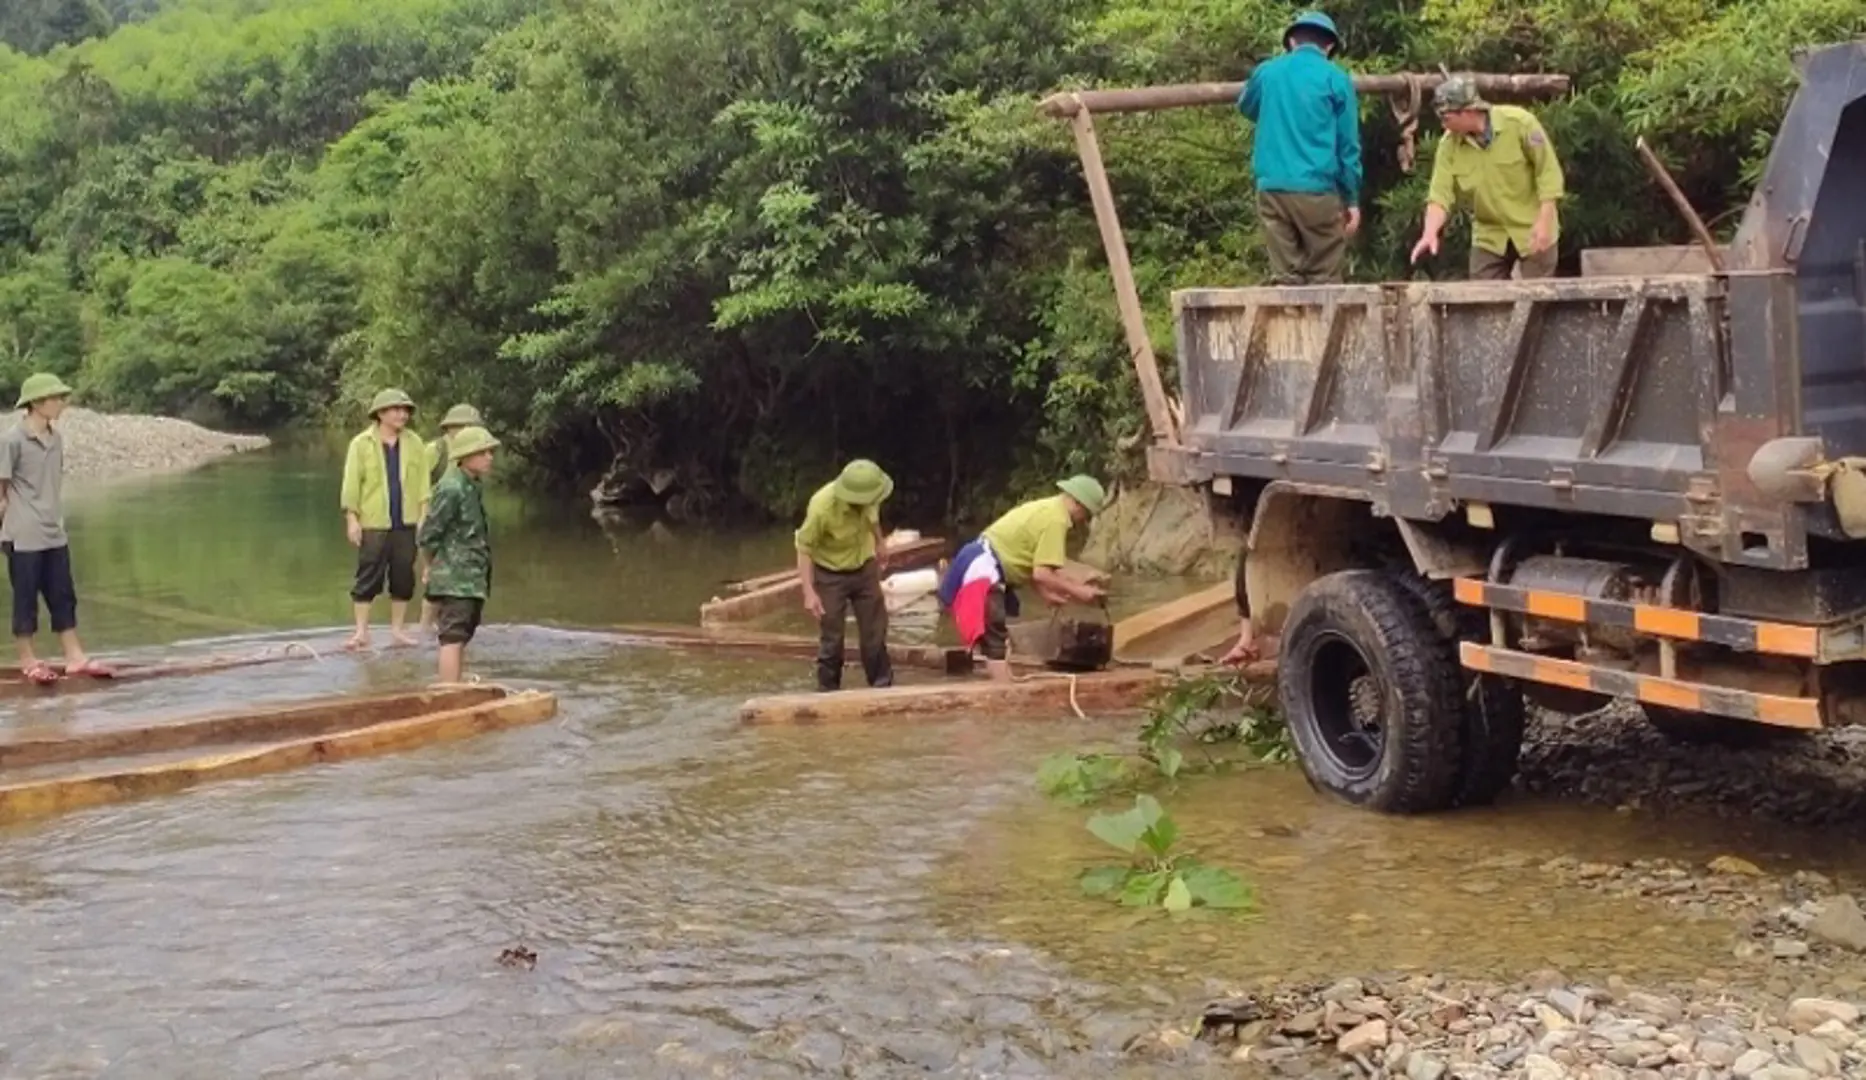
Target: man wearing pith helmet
(32,531)
(1305,153)
(385,493)
(457,540)
(841,552)
(460,416)
(1499,158)
(1024,547)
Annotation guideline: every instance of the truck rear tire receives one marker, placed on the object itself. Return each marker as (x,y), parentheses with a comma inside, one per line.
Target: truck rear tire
(1490,743)
(1698,729)
(1371,694)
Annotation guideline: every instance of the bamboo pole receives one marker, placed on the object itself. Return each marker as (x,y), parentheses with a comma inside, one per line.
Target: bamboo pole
(1067,105)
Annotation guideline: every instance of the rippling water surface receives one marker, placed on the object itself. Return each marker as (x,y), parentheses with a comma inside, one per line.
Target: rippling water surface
(704,899)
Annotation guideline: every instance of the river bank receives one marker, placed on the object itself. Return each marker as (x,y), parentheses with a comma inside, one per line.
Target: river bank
(108,446)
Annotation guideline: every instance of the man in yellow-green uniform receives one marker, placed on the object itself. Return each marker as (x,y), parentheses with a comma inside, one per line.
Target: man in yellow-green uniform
(1499,158)
(440,460)
(840,555)
(384,496)
(1024,547)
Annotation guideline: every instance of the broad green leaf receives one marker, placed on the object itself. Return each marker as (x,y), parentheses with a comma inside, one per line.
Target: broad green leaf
(1159,839)
(1144,890)
(1171,760)
(1104,880)
(1120,831)
(1149,810)
(1178,896)
(1215,888)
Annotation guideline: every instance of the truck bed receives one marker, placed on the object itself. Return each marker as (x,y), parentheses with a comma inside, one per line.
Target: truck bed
(1609,395)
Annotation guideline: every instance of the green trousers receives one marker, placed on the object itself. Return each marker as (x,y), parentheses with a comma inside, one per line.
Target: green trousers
(1305,236)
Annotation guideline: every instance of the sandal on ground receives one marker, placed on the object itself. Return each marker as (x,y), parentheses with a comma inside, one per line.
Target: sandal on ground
(40,674)
(91,669)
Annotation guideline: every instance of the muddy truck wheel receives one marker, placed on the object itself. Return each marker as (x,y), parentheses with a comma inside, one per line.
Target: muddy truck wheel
(1697,729)
(1490,742)
(1371,695)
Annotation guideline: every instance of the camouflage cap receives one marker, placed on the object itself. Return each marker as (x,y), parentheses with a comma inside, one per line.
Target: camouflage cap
(1457,94)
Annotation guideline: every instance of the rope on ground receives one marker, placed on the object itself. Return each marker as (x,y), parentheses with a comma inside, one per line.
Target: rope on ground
(1073,705)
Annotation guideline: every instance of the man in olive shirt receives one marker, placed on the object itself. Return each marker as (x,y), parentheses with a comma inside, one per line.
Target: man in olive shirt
(458,542)
(1499,157)
(32,531)
(840,553)
(1027,546)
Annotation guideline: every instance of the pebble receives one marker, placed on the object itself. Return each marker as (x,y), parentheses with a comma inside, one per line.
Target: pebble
(1432,1028)
(1840,922)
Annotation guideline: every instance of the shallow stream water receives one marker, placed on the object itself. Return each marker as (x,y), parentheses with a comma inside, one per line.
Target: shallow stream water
(704,899)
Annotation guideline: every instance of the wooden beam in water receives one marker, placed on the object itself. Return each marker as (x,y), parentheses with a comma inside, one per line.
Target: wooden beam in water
(1138,635)
(15,684)
(43,798)
(297,720)
(761,643)
(1042,694)
(788,591)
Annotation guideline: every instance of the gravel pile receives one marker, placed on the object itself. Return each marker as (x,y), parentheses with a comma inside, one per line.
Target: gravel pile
(1545,1028)
(1614,758)
(101,446)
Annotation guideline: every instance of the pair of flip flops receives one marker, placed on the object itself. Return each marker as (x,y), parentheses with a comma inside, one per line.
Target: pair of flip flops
(44,674)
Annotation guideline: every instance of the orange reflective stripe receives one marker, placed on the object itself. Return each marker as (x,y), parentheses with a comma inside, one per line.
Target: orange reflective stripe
(1784,640)
(1674,695)
(1561,606)
(1666,622)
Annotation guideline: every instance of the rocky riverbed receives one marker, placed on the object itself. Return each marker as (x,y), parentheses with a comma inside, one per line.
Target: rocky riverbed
(104,446)
(1613,757)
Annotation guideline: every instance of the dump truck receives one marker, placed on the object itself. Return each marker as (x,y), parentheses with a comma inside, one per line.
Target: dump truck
(1645,484)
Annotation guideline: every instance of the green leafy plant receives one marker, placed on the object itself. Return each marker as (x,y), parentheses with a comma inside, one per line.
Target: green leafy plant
(1082,778)
(1156,875)
(1196,708)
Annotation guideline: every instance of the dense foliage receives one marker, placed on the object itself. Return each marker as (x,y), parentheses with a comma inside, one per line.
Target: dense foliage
(741,239)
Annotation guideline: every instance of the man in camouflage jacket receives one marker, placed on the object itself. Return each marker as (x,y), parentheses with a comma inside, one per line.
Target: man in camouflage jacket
(458,544)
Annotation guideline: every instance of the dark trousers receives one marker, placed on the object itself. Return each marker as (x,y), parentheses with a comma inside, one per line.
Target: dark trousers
(386,556)
(42,573)
(1490,266)
(1304,235)
(840,591)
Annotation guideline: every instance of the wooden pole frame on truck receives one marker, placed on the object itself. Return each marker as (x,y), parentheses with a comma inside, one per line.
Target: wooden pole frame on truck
(1164,415)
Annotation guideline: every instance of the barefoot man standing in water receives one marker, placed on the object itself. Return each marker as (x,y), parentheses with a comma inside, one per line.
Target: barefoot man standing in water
(32,531)
(385,495)
(458,543)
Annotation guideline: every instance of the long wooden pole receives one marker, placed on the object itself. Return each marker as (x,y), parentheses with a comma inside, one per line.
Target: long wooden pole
(1126,293)
(1696,223)
(1194,95)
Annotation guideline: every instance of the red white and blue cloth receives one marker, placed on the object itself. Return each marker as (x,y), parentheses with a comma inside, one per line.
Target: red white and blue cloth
(967,586)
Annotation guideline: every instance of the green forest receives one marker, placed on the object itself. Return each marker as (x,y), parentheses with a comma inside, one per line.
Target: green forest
(741,239)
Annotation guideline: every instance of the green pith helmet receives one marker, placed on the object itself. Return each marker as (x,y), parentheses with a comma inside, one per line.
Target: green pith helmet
(1086,490)
(1314,20)
(862,483)
(462,416)
(1456,94)
(389,399)
(469,441)
(39,387)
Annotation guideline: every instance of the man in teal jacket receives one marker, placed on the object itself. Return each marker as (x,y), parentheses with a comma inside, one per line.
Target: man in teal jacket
(1306,153)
